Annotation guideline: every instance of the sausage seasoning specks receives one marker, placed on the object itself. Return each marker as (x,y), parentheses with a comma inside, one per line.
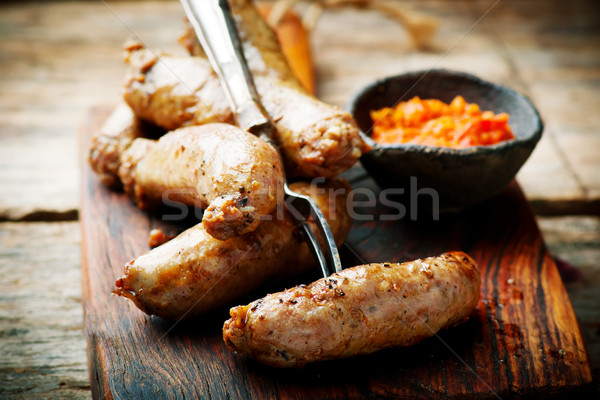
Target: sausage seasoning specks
(195,273)
(357,311)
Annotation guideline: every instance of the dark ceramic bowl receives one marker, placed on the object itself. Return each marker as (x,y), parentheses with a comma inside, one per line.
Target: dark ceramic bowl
(461,177)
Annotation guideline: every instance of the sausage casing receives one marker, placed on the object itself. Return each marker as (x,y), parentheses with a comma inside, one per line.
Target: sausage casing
(316,139)
(234,175)
(195,273)
(112,139)
(172,92)
(357,311)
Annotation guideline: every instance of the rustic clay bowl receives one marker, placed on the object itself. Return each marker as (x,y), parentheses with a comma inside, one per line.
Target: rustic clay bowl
(461,177)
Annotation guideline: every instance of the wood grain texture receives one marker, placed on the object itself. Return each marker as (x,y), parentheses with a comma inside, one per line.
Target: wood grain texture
(522,340)
(60,58)
(42,349)
(576,243)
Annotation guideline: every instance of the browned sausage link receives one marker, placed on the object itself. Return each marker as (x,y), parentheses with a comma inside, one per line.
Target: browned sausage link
(316,139)
(172,92)
(358,311)
(113,138)
(235,175)
(195,273)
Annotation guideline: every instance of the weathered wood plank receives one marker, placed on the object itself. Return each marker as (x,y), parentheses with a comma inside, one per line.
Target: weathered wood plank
(522,340)
(542,44)
(34,121)
(41,343)
(577,241)
(60,58)
(57,60)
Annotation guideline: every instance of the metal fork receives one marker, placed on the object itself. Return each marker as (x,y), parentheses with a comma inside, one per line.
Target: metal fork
(215,27)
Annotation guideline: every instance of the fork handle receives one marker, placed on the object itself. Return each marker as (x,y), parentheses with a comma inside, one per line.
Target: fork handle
(215,27)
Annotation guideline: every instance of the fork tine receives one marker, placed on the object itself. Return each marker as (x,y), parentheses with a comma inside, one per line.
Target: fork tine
(314,247)
(335,264)
(301,207)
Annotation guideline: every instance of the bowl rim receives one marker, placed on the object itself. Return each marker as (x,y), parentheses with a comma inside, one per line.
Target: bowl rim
(532,137)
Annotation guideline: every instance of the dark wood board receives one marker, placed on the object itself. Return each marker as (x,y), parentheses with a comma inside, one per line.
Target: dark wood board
(522,340)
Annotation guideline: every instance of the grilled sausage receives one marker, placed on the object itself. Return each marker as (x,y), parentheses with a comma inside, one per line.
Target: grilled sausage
(358,311)
(194,273)
(316,139)
(113,138)
(173,92)
(235,175)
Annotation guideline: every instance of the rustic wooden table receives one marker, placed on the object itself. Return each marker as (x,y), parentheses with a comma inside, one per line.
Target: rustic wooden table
(58,59)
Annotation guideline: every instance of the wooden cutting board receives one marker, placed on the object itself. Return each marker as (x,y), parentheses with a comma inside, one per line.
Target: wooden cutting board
(523,338)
